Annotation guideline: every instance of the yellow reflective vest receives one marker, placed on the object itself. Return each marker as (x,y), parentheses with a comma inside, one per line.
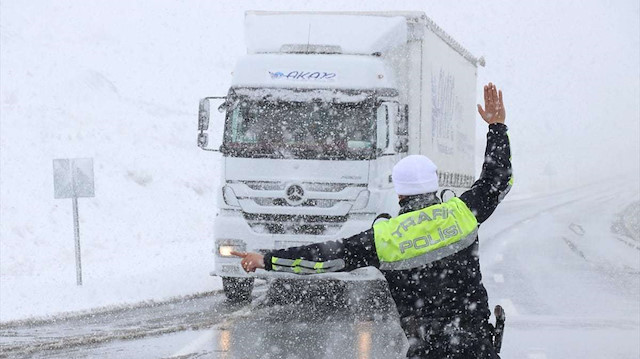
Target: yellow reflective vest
(420,237)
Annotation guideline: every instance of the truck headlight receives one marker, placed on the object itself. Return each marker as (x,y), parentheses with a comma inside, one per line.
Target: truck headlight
(224,247)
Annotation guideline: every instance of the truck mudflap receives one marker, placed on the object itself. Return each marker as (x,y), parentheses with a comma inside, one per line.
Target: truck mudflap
(360,274)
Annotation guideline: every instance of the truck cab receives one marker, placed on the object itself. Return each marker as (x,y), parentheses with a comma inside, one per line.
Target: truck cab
(309,132)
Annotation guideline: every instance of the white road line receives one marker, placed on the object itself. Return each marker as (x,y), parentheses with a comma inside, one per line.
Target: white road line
(203,341)
(498,278)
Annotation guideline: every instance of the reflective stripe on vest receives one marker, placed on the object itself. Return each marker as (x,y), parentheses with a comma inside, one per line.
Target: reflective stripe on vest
(301,266)
(420,237)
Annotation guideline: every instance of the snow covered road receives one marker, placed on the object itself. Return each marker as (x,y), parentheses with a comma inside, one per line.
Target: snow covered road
(76,334)
(207,326)
(566,268)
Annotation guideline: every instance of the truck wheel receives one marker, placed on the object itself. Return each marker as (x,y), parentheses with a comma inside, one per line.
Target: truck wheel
(237,290)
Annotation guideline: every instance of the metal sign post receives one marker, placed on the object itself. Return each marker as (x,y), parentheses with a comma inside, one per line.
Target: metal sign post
(73,178)
(76,234)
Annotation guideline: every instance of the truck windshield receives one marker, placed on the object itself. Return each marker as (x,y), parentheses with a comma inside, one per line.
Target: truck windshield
(309,130)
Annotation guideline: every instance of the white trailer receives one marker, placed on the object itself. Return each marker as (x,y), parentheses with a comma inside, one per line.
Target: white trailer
(318,112)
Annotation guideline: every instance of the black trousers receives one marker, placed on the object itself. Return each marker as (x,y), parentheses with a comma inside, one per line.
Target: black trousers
(448,339)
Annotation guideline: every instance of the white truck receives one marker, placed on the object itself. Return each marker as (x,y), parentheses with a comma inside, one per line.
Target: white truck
(318,112)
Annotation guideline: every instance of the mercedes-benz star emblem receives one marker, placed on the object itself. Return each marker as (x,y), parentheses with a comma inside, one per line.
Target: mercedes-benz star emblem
(295,194)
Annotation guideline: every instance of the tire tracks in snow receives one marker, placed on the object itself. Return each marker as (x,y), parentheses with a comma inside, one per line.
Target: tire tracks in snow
(530,309)
(493,243)
(28,338)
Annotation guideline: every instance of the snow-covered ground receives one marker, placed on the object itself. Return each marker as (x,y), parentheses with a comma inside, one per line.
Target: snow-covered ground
(567,276)
(85,80)
(119,82)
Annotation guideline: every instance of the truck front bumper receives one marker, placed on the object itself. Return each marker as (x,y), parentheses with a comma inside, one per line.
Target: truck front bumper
(360,274)
(232,227)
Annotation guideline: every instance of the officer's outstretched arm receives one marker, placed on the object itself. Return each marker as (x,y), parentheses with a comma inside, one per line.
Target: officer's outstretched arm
(495,180)
(332,256)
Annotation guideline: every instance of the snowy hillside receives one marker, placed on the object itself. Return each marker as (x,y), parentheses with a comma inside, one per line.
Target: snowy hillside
(120,82)
(95,88)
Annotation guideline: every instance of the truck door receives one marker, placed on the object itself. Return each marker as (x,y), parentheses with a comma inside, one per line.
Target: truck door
(390,149)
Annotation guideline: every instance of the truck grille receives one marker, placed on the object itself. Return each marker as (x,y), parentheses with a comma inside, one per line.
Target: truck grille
(310,186)
(292,224)
(268,207)
(321,203)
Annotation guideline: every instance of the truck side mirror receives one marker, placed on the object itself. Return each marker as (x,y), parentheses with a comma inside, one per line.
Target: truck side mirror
(204,114)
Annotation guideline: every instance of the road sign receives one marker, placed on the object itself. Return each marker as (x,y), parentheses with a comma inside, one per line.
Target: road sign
(73,178)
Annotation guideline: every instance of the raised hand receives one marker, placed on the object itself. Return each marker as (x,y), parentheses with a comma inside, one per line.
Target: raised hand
(250,261)
(493,111)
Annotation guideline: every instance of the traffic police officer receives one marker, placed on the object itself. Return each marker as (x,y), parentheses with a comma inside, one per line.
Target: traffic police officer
(428,254)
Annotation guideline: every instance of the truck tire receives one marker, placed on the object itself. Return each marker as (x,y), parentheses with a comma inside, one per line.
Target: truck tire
(237,290)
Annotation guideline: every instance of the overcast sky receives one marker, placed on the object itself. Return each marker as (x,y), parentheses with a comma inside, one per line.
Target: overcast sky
(569,69)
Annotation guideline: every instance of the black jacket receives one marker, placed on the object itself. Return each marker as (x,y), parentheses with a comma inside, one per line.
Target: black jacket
(446,290)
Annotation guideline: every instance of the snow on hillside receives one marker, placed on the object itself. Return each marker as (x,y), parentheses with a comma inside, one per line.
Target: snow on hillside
(75,84)
(119,82)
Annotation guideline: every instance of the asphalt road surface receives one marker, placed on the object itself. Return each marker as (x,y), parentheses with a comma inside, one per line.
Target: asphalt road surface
(207,326)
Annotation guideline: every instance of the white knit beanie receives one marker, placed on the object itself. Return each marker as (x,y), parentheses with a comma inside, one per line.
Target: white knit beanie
(415,174)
